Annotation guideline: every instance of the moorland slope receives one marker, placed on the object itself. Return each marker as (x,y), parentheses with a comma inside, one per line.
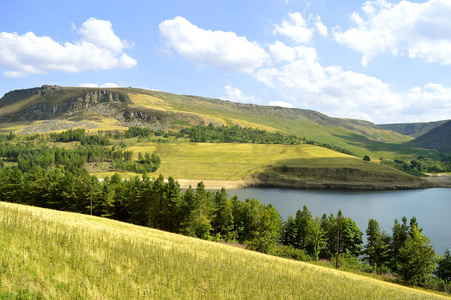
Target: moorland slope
(49,254)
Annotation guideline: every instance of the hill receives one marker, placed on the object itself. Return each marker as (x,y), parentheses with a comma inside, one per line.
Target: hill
(50,108)
(60,255)
(412,129)
(438,138)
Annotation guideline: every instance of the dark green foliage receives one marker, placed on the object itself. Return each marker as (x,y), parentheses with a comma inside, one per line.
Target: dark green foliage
(443,270)
(11,136)
(134,131)
(422,164)
(315,240)
(237,134)
(366,158)
(101,140)
(376,251)
(350,237)
(74,159)
(290,252)
(417,258)
(303,227)
(68,135)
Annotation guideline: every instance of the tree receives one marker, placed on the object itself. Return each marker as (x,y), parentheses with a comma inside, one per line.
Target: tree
(350,237)
(376,249)
(289,231)
(366,158)
(443,270)
(304,224)
(417,258)
(329,225)
(315,239)
(399,238)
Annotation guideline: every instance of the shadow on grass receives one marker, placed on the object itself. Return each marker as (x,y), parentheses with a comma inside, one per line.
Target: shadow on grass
(401,149)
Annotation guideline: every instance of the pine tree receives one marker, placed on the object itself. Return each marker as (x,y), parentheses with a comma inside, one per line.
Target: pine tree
(376,249)
(304,226)
(417,258)
(443,270)
(316,239)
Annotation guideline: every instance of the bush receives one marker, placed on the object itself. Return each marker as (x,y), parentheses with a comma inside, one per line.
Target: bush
(290,252)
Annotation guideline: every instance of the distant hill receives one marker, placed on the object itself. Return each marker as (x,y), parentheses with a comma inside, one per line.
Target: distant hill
(438,138)
(50,108)
(412,129)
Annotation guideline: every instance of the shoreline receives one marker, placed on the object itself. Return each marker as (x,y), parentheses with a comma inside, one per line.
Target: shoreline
(434,181)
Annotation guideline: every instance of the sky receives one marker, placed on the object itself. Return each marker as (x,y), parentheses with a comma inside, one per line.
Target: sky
(381,61)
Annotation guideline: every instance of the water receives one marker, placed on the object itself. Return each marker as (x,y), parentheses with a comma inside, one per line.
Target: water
(431,207)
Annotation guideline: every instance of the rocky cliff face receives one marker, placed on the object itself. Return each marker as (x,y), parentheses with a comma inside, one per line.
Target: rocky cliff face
(49,110)
(75,104)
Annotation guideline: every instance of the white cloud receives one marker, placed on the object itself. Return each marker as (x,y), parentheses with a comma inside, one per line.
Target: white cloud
(236,95)
(100,33)
(23,55)
(347,94)
(418,30)
(295,28)
(95,85)
(282,52)
(320,27)
(219,49)
(281,104)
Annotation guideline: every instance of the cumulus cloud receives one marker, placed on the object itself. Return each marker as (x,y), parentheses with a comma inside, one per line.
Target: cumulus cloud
(348,94)
(282,52)
(296,28)
(219,49)
(236,95)
(281,104)
(99,49)
(100,33)
(418,30)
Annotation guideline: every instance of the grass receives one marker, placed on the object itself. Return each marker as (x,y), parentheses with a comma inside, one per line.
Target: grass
(6,128)
(227,161)
(59,255)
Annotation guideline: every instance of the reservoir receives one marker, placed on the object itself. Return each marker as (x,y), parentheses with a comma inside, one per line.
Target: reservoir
(431,207)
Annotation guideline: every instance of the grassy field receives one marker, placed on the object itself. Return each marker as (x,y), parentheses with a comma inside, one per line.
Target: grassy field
(235,161)
(60,255)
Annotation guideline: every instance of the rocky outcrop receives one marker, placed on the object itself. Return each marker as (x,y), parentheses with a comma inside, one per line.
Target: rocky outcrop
(41,111)
(131,115)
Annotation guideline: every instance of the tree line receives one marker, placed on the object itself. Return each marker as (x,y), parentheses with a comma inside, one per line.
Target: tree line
(422,164)
(29,158)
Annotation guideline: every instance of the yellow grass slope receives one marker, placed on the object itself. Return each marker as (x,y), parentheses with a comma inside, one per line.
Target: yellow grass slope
(60,255)
(228,161)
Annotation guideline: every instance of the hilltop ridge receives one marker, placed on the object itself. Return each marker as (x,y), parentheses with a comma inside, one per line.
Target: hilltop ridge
(160,110)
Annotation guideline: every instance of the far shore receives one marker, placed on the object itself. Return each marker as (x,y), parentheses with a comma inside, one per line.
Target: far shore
(433,181)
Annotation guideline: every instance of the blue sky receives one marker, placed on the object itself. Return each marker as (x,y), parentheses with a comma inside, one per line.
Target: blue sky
(381,61)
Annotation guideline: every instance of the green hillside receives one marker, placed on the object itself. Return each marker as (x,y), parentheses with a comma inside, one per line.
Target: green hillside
(48,254)
(412,129)
(438,139)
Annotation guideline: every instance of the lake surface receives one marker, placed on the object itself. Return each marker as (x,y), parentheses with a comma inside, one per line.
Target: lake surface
(431,207)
